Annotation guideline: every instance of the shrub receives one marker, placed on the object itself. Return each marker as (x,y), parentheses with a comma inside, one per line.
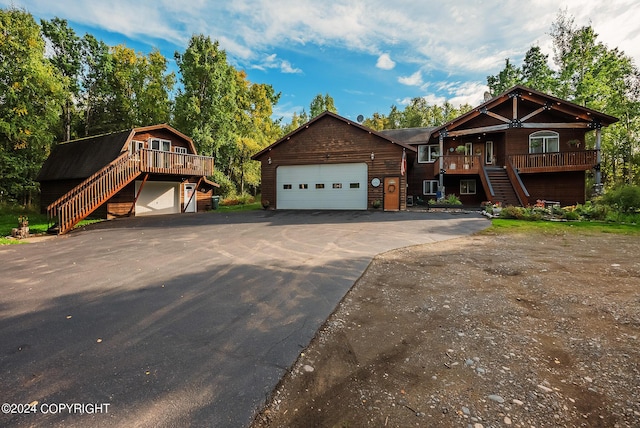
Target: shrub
(625,199)
(452,200)
(243,199)
(512,212)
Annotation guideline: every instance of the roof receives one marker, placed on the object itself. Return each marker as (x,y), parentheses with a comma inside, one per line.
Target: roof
(79,159)
(335,116)
(409,135)
(568,108)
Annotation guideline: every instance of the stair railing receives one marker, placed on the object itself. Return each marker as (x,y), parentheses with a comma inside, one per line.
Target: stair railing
(83,199)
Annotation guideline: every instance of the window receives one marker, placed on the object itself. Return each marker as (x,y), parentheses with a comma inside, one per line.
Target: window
(320,186)
(303,186)
(182,150)
(354,185)
(544,142)
(136,145)
(467,187)
(286,186)
(428,153)
(158,144)
(337,185)
(429,187)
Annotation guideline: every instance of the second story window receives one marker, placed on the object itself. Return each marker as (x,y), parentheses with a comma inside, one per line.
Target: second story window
(544,142)
(159,144)
(428,153)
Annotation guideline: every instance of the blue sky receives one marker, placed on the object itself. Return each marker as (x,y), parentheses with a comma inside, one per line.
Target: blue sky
(367,54)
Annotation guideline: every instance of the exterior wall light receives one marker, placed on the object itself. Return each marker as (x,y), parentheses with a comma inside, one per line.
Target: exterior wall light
(373,156)
(269,160)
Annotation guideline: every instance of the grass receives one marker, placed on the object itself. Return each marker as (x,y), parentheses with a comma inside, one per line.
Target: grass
(240,207)
(38,223)
(502,226)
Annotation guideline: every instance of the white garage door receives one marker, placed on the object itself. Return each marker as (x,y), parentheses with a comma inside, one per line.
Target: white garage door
(323,187)
(158,197)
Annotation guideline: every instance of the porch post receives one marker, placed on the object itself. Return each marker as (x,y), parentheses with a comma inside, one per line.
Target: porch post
(441,164)
(598,171)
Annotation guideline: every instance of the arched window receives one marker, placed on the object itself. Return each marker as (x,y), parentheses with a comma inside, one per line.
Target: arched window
(544,142)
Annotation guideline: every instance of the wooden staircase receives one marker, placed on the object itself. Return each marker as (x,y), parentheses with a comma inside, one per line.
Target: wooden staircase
(87,196)
(502,187)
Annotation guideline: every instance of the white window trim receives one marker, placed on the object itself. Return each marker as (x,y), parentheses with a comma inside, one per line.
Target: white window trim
(430,158)
(475,187)
(428,185)
(160,144)
(546,137)
(181,150)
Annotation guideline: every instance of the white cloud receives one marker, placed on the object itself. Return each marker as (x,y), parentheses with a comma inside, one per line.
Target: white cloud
(273,62)
(385,62)
(414,80)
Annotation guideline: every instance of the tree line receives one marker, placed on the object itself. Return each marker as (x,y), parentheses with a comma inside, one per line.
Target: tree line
(56,86)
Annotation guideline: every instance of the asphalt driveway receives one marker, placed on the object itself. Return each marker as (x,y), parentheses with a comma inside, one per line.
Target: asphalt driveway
(185,320)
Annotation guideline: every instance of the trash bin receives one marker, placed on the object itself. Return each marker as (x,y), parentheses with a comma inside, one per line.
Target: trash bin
(215,201)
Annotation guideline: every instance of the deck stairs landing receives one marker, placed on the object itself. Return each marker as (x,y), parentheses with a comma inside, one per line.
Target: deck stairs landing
(502,187)
(87,196)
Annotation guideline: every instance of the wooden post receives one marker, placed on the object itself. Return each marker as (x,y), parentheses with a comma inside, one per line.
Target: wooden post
(144,180)
(441,164)
(598,174)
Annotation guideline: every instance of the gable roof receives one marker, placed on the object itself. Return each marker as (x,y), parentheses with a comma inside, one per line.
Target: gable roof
(335,116)
(409,135)
(79,159)
(575,111)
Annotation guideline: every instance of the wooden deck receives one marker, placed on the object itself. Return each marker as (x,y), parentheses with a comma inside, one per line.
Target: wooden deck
(523,163)
(555,162)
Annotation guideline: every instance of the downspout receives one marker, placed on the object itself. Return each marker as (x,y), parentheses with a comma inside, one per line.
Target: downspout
(441,164)
(598,171)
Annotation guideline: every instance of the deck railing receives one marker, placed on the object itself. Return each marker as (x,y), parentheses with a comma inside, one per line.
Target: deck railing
(550,162)
(158,162)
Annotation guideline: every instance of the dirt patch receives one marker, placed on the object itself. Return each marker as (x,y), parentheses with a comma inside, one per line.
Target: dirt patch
(522,330)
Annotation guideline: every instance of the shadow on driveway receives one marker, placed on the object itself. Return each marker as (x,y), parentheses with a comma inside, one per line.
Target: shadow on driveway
(184,320)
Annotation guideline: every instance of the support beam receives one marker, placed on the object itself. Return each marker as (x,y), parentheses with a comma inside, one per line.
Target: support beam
(480,130)
(533,113)
(598,172)
(495,115)
(184,207)
(441,163)
(144,180)
(577,125)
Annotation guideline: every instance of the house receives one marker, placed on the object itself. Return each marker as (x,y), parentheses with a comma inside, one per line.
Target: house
(334,163)
(516,148)
(142,171)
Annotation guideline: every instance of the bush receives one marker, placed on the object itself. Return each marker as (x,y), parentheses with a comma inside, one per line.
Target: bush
(452,200)
(227,188)
(625,199)
(512,212)
(243,199)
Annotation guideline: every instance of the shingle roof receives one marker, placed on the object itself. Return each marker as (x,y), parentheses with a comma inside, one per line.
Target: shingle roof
(81,158)
(409,135)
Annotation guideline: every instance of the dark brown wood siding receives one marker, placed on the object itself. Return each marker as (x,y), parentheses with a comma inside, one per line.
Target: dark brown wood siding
(568,188)
(329,141)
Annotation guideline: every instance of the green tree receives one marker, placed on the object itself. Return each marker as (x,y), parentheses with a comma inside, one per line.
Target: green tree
(505,79)
(536,72)
(31,94)
(67,58)
(205,106)
(95,94)
(320,104)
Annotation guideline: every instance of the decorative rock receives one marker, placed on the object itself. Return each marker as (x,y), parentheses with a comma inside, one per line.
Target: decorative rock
(307,368)
(518,402)
(480,370)
(544,388)
(496,398)
(465,410)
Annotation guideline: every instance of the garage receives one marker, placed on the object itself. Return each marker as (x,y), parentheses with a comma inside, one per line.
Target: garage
(322,186)
(158,197)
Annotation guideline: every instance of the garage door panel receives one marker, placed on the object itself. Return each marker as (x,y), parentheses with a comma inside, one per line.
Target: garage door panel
(158,197)
(325,186)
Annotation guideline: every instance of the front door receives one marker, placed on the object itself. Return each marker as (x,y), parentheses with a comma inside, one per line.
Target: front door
(189,198)
(392,193)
